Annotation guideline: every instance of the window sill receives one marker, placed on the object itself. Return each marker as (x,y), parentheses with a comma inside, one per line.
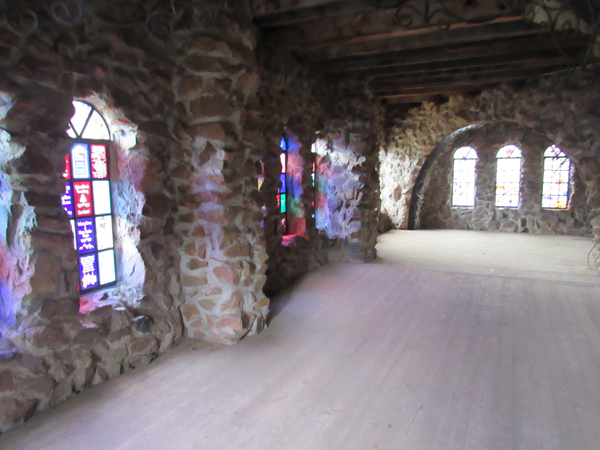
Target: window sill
(111,296)
(290,240)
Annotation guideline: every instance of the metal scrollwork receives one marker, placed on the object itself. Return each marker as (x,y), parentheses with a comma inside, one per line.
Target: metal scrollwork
(593,258)
(578,17)
(158,21)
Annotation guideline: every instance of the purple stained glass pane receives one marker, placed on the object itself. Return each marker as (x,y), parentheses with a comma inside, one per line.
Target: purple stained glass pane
(67,200)
(86,235)
(283,189)
(88,271)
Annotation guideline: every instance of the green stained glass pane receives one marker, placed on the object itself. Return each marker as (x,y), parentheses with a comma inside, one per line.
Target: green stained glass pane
(283,203)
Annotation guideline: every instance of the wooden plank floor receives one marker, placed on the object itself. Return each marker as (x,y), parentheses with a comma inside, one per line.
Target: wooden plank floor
(376,356)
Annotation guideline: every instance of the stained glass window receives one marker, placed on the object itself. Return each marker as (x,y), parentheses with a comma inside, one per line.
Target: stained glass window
(557,179)
(87,199)
(508,177)
(463,177)
(282,193)
(313,176)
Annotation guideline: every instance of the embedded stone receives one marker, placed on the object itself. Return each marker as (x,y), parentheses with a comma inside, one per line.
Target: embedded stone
(249,83)
(226,274)
(207,305)
(234,322)
(212,131)
(16,411)
(189,310)
(195,264)
(7,381)
(191,281)
(191,86)
(210,106)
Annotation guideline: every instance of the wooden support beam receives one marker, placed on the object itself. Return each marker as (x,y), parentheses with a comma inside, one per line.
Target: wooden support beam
(452,87)
(326,11)
(431,37)
(532,68)
(366,65)
(380,23)
(526,59)
(266,7)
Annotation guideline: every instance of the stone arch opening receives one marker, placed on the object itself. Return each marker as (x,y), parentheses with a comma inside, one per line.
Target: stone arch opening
(431,205)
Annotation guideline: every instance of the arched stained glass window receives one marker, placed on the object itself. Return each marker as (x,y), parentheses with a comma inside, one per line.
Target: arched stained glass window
(282,193)
(508,177)
(557,179)
(463,177)
(87,197)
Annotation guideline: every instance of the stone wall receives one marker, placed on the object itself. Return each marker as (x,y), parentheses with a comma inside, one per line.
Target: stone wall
(306,107)
(437,211)
(184,117)
(562,108)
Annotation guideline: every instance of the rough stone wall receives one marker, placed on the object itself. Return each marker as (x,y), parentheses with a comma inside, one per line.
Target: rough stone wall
(304,105)
(184,118)
(562,108)
(437,211)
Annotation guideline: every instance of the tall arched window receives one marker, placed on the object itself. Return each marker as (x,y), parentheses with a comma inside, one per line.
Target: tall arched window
(557,179)
(508,177)
(282,193)
(87,197)
(463,177)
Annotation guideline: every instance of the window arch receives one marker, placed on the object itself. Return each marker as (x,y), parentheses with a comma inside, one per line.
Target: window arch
(508,177)
(556,184)
(87,198)
(463,177)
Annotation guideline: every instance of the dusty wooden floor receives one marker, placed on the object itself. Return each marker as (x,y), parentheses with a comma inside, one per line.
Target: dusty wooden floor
(377,356)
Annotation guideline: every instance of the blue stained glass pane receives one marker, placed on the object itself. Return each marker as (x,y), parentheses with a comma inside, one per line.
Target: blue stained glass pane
(283,144)
(86,235)
(106,267)
(88,271)
(283,189)
(80,159)
(67,200)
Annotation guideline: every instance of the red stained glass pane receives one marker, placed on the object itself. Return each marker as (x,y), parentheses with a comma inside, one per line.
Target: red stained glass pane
(99,161)
(82,195)
(67,172)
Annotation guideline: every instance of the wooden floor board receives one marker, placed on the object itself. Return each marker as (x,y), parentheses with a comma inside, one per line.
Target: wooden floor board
(376,356)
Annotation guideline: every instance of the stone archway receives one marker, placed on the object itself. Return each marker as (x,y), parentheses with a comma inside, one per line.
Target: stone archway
(431,205)
(562,109)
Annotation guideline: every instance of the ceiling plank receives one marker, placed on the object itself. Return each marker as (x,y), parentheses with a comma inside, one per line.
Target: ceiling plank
(362,65)
(433,37)
(525,70)
(266,7)
(453,86)
(438,68)
(320,12)
(293,40)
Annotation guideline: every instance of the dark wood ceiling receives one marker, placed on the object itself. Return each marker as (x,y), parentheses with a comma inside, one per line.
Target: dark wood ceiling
(485,44)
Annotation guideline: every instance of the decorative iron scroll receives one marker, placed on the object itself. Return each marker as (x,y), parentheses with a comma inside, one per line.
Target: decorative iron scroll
(579,17)
(593,258)
(158,18)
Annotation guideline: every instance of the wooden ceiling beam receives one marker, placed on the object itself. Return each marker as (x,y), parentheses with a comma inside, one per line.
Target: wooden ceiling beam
(380,23)
(544,58)
(267,7)
(532,68)
(432,37)
(325,11)
(363,65)
(451,87)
